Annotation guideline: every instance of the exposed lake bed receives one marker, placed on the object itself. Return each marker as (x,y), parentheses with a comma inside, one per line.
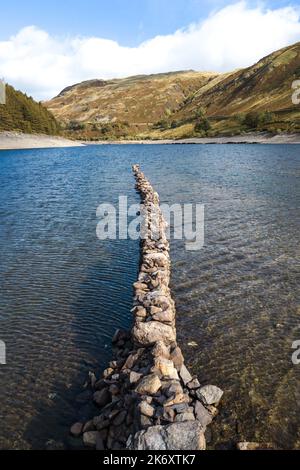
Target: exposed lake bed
(64,292)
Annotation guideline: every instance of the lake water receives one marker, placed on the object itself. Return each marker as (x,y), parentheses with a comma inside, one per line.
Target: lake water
(64,292)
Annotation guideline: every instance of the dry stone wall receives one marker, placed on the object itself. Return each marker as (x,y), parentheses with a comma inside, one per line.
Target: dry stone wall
(147,398)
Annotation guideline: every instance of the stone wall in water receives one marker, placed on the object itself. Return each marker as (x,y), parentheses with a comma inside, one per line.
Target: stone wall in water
(147,398)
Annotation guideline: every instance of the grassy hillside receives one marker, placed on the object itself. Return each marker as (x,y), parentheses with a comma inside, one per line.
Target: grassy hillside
(185,104)
(23,114)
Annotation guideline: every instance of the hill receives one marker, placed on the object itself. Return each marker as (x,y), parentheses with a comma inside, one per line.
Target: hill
(21,113)
(185,104)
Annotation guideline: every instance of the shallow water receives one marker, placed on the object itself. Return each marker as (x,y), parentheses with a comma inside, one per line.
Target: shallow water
(64,292)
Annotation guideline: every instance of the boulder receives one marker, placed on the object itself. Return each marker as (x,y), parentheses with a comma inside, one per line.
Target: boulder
(134,377)
(149,333)
(102,397)
(177,436)
(161,350)
(185,375)
(166,368)
(202,415)
(146,409)
(210,394)
(76,429)
(186,416)
(90,439)
(254,446)
(177,358)
(149,385)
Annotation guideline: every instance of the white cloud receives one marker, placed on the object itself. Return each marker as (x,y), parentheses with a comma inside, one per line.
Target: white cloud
(235,36)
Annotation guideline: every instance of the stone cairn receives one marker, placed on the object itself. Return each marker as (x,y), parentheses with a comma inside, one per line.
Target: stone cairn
(147,398)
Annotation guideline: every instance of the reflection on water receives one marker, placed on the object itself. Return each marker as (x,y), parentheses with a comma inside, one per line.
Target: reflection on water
(63,292)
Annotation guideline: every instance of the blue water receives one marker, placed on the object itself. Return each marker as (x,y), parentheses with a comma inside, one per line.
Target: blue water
(64,292)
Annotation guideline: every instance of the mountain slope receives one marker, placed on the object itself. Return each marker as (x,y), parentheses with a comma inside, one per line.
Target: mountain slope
(169,105)
(23,114)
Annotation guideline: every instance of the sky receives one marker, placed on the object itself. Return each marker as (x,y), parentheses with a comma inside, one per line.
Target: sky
(45,47)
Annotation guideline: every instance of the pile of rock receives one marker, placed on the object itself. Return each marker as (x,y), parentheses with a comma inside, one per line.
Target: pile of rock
(147,398)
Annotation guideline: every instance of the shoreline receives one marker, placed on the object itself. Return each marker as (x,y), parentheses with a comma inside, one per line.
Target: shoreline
(17,141)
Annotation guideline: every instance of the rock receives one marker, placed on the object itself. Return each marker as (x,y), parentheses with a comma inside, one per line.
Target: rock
(167,316)
(132,359)
(93,379)
(210,394)
(140,312)
(145,422)
(173,389)
(180,407)
(134,377)
(154,310)
(146,409)
(102,397)
(89,426)
(176,436)
(194,384)
(149,385)
(149,333)
(202,415)
(168,414)
(254,446)
(177,358)
(161,350)
(120,418)
(99,442)
(100,422)
(114,390)
(166,368)
(76,429)
(90,439)
(187,416)
(185,375)
(178,399)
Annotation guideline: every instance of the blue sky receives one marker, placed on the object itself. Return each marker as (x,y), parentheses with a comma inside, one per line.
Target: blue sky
(45,47)
(127,21)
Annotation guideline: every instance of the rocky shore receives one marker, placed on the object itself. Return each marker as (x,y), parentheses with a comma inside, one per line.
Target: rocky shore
(147,398)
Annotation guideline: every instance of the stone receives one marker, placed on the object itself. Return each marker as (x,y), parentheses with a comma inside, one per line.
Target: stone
(114,390)
(102,397)
(177,436)
(76,429)
(168,414)
(181,407)
(178,399)
(210,394)
(161,350)
(132,359)
(185,375)
(254,446)
(107,373)
(149,385)
(202,415)
(154,310)
(99,442)
(166,368)
(177,358)
(173,389)
(194,384)
(89,426)
(187,416)
(93,379)
(134,377)
(145,422)
(100,422)
(149,333)
(167,316)
(120,418)
(90,439)
(141,312)
(146,409)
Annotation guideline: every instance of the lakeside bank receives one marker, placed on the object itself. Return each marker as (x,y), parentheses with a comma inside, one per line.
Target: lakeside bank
(17,141)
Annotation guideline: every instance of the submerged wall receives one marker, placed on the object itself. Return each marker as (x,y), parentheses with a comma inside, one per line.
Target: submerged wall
(147,398)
